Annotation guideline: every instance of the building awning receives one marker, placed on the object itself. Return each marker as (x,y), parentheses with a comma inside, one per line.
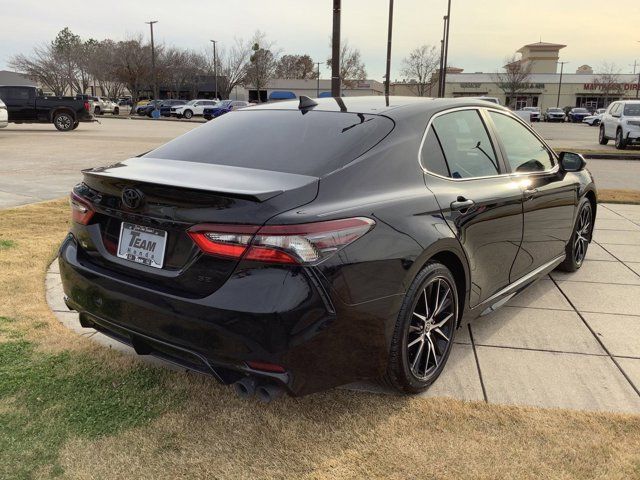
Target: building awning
(281,95)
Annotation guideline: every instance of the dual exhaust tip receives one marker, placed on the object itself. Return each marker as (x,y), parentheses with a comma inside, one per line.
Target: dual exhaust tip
(249,387)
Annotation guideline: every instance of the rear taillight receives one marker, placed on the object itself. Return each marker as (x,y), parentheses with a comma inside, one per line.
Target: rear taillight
(86,106)
(81,211)
(303,244)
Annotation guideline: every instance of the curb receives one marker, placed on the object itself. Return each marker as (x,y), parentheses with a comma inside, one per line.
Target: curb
(141,118)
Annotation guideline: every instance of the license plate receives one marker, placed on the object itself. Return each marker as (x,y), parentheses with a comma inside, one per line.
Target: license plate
(142,244)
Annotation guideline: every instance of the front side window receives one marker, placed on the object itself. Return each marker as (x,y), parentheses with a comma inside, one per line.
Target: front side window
(466,145)
(632,110)
(525,153)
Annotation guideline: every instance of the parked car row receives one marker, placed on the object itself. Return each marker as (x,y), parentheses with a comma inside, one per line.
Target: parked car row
(206,108)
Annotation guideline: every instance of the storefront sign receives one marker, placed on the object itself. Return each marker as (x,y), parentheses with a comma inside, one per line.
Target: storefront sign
(610,87)
(470,85)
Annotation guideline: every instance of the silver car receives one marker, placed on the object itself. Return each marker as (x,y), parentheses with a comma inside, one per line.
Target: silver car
(102,105)
(4,115)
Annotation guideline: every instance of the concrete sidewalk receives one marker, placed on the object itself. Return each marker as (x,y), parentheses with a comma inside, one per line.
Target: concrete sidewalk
(568,341)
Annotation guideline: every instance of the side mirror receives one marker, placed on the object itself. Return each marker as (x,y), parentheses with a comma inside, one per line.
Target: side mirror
(572,162)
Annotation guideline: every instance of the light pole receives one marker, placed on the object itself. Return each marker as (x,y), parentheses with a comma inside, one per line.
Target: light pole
(444,32)
(153,61)
(318,81)
(335,50)
(638,85)
(446,49)
(560,84)
(215,66)
(389,32)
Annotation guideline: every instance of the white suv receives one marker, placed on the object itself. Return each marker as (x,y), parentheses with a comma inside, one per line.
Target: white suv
(622,122)
(193,107)
(4,116)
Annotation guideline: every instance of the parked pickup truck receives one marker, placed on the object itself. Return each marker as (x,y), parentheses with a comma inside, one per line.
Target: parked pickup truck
(29,105)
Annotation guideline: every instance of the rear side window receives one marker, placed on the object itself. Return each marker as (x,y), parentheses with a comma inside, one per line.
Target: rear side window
(466,145)
(432,156)
(313,143)
(525,153)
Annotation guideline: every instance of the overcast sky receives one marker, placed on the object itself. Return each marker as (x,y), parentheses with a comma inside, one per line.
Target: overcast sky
(483,32)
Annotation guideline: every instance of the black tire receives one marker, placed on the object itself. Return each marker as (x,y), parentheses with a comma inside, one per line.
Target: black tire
(576,249)
(621,142)
(409,339)
(208,117)
(96,111)
(63,121)
(187,114)
(75,125)
(116,111)
(602,138)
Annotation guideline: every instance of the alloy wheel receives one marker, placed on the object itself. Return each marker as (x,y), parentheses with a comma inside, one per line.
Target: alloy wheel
(431,328)
(63,122)
(583,233)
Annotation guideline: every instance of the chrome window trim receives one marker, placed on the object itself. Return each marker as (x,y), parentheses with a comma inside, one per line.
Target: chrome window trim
(507,113)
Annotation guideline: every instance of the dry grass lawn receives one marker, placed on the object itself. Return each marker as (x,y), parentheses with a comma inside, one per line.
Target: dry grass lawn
(619,196)
(186,426)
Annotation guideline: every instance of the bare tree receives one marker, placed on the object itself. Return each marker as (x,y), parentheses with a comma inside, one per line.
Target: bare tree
(132,65)
(515,78)
(262,63)
(102,68)
(296,66)
(608,81)
(232,65)
(352,68)
(420,66)
(44,67)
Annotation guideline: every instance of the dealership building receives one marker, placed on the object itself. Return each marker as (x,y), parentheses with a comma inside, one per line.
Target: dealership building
(582,88)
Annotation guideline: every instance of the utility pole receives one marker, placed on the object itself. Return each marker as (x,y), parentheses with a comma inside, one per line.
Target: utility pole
(318,80)
(153,62)
(335,50)
(560,84)
(444,32)
(446,49)
(215,66)
(389,32)
(638,85)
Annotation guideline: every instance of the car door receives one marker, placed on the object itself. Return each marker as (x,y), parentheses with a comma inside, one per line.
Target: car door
(612,120)
(550,195)
(477,197)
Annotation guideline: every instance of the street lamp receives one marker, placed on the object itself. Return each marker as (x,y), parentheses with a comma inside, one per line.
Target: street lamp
(153,61)
(560,84)
(215,66)
(335,49)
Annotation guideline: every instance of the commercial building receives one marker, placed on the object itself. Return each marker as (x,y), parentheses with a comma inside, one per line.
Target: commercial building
(545,87)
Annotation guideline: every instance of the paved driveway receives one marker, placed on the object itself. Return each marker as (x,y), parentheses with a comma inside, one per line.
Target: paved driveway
(569,340)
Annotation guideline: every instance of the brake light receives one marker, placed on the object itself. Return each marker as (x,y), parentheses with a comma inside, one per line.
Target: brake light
(81,211)
(303,244)
(86,106)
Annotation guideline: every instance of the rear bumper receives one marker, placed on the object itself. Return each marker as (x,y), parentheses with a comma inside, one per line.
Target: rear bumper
(267,314)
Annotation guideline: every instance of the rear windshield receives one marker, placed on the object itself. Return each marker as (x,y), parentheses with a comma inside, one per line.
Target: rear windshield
(632,110)
(311,143)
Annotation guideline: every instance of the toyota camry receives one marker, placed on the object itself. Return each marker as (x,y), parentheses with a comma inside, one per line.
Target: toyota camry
(298,246)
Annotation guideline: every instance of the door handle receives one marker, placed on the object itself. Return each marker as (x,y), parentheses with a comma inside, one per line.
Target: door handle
(462,204)
(529,193)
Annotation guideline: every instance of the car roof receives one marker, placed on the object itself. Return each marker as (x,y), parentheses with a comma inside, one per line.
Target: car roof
(391,106)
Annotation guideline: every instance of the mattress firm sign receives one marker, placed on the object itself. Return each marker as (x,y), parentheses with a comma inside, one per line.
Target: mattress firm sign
(611,87)
(525,86)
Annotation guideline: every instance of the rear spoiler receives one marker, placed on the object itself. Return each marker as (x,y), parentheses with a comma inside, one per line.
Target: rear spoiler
(254,184)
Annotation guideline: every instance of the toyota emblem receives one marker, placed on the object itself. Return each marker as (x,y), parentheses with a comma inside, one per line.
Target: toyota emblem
(132,198)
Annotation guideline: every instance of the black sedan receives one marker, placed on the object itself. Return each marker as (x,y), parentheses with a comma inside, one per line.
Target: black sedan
(294,247)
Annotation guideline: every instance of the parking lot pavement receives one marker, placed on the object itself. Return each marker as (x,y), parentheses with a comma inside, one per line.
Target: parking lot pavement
(39,163)
(571,340)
